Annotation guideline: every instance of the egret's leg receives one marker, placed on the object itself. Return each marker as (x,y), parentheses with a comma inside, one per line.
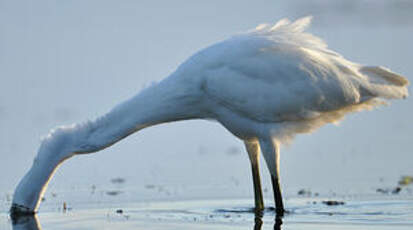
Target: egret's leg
(271,153)
(253,150)
(277,195)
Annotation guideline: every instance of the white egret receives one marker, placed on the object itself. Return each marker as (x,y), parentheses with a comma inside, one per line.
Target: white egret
(264,86)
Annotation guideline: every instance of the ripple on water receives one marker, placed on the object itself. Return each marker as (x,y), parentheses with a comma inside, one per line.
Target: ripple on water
(395,214)
(298,211)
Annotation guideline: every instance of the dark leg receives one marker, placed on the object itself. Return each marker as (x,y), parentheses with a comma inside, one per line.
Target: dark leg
(253,153)
(259,201)
(277,196)
(271,153)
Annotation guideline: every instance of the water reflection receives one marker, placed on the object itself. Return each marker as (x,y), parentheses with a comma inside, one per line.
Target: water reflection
(258,221)
(25,222)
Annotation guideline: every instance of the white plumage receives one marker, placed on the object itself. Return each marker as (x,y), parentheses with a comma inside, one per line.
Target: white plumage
(264,86)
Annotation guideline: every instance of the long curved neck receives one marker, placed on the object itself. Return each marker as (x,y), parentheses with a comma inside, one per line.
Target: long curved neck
(164,102)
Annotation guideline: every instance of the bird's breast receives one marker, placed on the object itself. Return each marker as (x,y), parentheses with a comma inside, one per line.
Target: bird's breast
(242,126)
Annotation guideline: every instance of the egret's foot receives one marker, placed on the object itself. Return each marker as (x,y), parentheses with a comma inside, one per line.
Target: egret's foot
(280,212)
(259,212)
(18,210)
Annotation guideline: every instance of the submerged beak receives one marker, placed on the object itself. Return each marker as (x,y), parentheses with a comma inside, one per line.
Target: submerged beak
(23,221)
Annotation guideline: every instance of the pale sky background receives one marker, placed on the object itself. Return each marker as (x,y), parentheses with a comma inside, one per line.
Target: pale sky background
(68,61)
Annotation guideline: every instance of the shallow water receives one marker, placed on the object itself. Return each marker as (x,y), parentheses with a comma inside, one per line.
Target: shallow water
(303,213)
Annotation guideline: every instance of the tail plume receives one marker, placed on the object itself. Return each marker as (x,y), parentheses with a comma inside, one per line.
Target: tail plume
(385,83)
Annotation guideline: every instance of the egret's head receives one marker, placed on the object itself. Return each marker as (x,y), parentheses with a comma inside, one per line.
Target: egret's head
(55,148)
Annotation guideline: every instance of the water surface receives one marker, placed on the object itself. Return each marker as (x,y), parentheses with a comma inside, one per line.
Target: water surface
(303,213)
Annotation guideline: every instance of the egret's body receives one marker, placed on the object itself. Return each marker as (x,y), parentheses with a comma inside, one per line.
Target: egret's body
(264,86)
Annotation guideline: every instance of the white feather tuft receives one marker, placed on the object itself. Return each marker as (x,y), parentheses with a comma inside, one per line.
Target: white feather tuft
(287,32)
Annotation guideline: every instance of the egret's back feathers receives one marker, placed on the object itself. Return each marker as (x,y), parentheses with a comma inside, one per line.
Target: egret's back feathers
(281,74)
(292,33)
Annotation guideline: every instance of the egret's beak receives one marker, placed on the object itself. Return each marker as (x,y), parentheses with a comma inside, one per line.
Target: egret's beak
(20,210)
